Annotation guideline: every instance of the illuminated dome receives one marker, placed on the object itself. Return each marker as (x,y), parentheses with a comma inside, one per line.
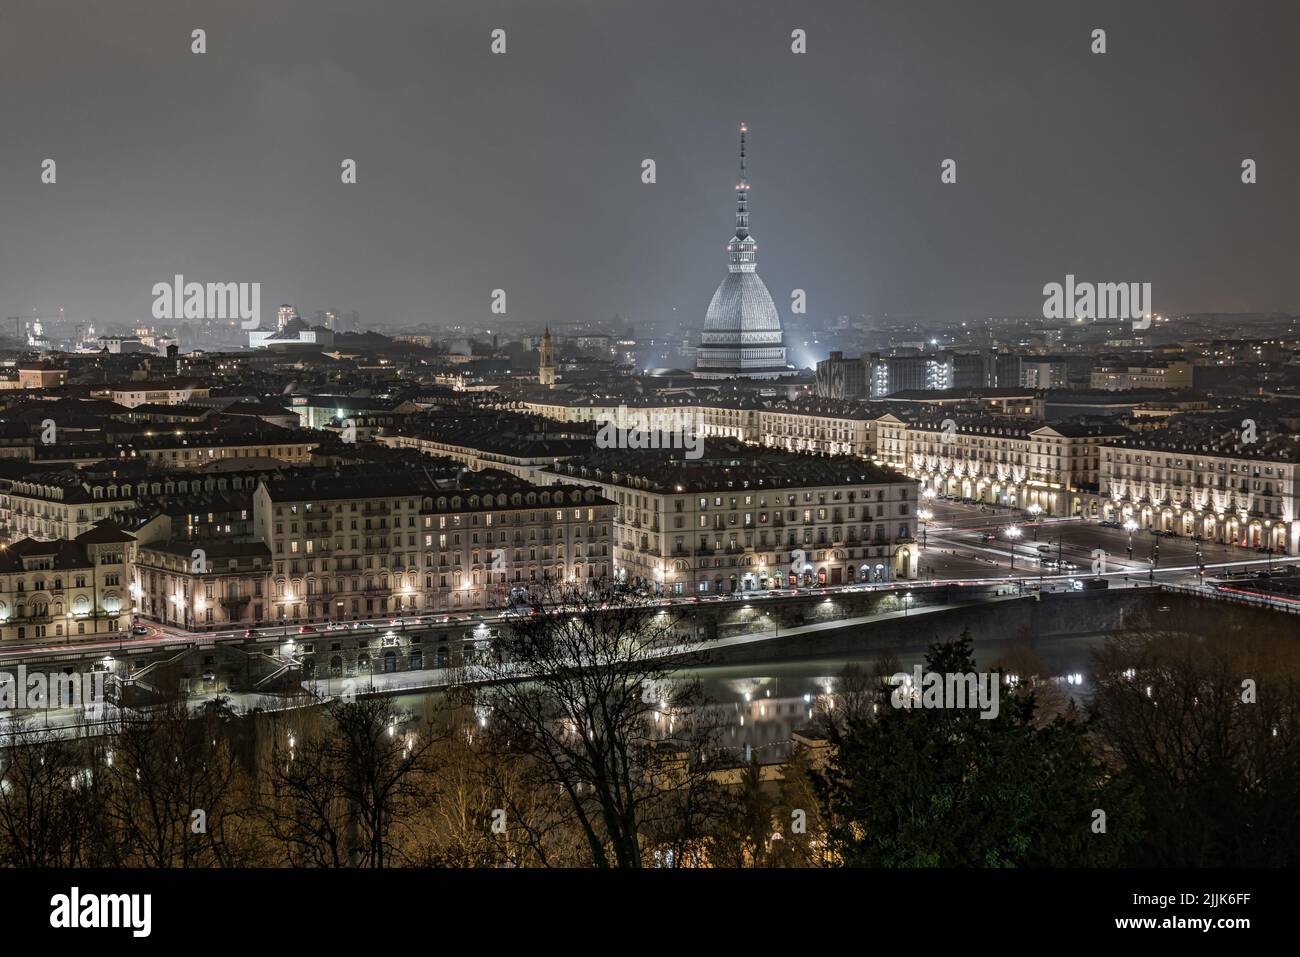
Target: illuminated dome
(742,304)
(742,330)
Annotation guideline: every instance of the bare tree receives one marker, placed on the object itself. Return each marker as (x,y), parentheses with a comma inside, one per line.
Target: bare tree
(489,807)
(585,688)
(342,791)
(45,811)
(174,779)
(299,799)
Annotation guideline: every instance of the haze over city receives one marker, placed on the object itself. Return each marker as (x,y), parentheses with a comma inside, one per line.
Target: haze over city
(522,171)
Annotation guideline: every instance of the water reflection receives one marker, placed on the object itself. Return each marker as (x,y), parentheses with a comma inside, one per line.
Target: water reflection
(761,706)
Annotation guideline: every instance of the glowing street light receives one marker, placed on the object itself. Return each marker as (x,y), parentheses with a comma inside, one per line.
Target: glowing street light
(1013,533)
(1130,526)
(925,515)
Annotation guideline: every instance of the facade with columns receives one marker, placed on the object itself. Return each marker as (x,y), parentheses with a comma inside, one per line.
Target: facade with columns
(1244,495)
(1011,462)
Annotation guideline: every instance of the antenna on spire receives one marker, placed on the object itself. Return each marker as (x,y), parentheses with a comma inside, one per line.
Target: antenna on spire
(741,249)
(743,130)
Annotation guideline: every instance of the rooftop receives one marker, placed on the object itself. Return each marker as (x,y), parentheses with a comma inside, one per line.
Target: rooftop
(725,464)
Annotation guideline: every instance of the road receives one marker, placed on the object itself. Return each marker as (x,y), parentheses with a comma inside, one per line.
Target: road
(956,546)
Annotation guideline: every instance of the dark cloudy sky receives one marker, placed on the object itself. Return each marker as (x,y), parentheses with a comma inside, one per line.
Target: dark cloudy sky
(522,171)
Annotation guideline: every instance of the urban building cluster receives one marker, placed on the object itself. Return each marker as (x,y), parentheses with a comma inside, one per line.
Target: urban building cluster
(336,471)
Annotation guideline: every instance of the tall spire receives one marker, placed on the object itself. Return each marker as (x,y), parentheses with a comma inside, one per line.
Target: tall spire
(742,250)
(742,189)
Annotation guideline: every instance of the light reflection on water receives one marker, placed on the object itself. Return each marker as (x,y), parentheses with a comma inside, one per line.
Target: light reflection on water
(761,705)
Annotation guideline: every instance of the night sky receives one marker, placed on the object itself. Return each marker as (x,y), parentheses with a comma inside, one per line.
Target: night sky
(522,171)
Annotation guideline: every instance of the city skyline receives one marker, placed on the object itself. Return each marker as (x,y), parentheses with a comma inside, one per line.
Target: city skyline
(1123,166)
(411,463)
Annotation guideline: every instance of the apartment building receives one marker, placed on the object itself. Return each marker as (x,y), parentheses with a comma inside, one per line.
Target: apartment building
(41,377)
(65,589)
(744,518)
(1152,374)
(192,450)
(61,505)
(522,445)
(825,425)
(346,546)
(840,378)
(1220,489)
(68,502)
(169,392)
(202,585)
(1018,463)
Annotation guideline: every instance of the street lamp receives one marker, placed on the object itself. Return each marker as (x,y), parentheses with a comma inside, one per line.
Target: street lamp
(1013,533)
(1034,511)
(925,515)
(1130,526)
